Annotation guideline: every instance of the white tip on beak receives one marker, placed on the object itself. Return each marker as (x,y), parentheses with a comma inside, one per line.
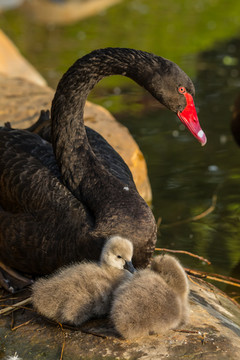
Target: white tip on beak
(200,133)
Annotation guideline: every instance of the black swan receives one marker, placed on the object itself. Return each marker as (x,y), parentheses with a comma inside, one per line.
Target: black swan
(153,300)
(78,292)
(235,122)
(59,202)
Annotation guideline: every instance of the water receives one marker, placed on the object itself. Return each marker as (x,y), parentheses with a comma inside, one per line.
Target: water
(203,37)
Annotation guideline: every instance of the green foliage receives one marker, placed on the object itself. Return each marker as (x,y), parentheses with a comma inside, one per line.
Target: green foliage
(173,29)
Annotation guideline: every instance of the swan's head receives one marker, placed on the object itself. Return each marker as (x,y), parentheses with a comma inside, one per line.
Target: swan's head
(173,88)
(118,252)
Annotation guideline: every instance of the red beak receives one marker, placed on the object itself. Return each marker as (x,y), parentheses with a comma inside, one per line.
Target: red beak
(190,119)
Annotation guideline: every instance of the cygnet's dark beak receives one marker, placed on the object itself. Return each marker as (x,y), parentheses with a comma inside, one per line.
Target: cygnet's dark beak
(129,266)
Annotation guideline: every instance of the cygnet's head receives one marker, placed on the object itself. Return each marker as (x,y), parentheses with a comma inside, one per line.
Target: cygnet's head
(118,252)
(172,272)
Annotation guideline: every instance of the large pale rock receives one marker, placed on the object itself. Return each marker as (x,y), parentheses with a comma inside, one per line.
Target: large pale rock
(50,12)
(13,64)
(21,102)
(213,333)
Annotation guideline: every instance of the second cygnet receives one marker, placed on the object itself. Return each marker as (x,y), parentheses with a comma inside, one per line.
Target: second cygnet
(153,300)
(81,291)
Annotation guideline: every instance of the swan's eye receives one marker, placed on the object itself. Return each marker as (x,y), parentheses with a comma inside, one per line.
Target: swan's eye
(119,257)
(181,90)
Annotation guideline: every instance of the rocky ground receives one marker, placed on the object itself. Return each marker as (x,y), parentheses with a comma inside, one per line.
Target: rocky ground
(213,332)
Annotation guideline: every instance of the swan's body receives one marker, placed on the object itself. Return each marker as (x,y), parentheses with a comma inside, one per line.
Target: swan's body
(152,301)
(60,202)
(84,290)
(235,122)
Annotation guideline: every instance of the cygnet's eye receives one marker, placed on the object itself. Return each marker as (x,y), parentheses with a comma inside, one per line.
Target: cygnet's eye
(119,257)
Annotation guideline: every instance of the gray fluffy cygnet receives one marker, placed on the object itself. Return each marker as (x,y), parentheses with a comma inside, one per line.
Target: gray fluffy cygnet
(84,290)
(153,300)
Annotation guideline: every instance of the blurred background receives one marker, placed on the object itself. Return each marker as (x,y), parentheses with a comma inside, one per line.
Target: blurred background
(203,38)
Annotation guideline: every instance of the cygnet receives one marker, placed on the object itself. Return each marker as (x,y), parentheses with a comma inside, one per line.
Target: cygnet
(152,301)
(84,290)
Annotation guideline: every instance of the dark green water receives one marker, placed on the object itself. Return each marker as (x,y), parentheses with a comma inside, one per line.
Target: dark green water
(203,37)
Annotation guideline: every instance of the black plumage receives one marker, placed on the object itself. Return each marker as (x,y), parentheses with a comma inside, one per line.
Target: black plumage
(60,202)
(235,121)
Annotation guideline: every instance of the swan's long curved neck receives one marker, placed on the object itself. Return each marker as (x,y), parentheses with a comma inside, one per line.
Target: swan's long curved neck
(70,143)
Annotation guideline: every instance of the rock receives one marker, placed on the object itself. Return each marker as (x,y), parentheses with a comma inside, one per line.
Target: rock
(21,102)
(64,12)
(213,333)
(13,64)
